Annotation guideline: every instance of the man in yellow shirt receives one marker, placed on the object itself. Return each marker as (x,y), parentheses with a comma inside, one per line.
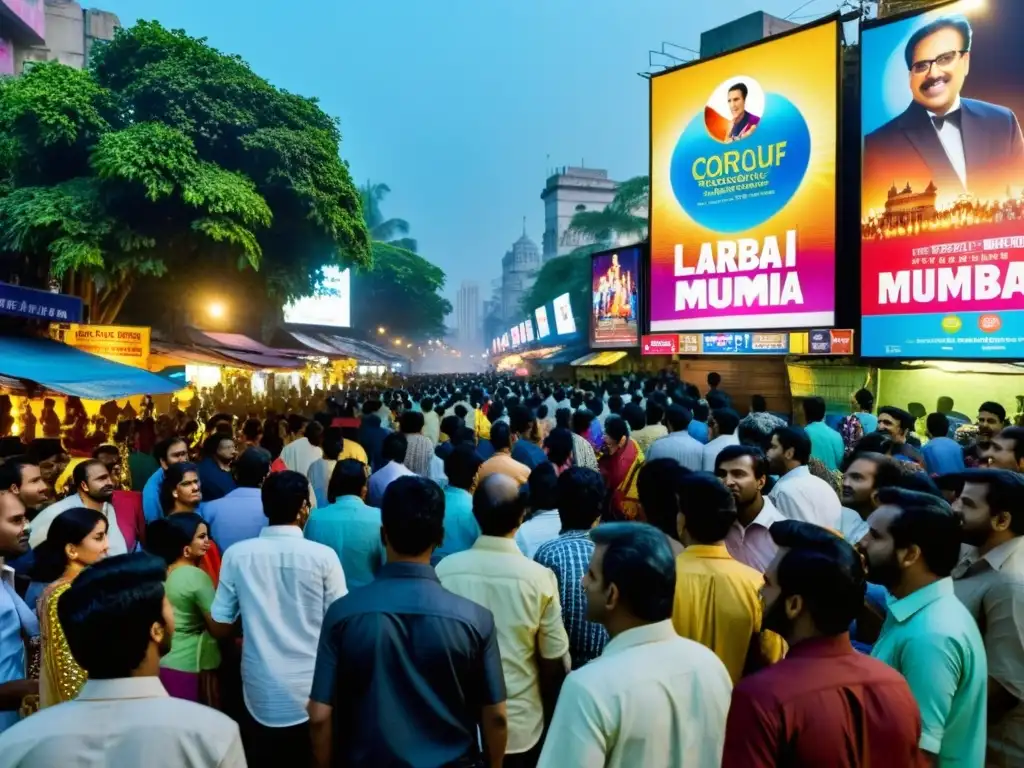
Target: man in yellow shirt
(502,463)
(717,601)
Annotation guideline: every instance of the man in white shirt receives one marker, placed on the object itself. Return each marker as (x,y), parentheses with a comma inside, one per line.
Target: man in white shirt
(393,452)
(93,489)
(300,454)
(17,620)
(798,494)
(281,585)
(544,523)
(723,424)
(118,624)
(678,444)
(652,698)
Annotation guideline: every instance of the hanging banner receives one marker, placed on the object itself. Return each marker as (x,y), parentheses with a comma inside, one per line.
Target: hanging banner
(121,343)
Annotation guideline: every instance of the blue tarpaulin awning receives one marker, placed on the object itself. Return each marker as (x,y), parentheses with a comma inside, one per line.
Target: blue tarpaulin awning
(70,371)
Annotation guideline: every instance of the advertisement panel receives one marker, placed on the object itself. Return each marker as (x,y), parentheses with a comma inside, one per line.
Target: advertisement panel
(515,336)
(543,329)
(743,187)
(615,291)
(564,322)
(121,343)
(942,210)
(331,307)
(660,344)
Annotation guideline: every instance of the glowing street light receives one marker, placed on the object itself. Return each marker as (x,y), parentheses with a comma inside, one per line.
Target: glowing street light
(381,330)
(217,310)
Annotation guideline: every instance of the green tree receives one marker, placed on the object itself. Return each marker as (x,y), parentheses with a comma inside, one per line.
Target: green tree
(169,160)
(381,229)
(624,219)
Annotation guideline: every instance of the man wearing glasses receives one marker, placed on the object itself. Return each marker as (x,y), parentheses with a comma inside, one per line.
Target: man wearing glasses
(965,144)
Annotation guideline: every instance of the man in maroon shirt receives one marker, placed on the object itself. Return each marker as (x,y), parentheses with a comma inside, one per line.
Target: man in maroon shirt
(825,703)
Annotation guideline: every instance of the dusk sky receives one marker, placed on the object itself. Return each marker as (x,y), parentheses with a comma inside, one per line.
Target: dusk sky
(463,106)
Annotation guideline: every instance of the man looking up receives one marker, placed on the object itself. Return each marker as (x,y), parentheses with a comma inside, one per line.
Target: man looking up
(798,494)
(743,471)
(928,635)
(990,582)
(1005,450)
(825,704)
(94,489)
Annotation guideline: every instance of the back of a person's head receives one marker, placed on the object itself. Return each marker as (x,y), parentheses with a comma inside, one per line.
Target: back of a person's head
(347,479)
(824,570)
(296,422)
(615,404)
(501,436)
(635,416)
(582,421)
(563,418)
(108,614)
(727,420)
(656,487)
(520,419)
(252,429)
(864,398)
(333,442)
(559,446)
(758,404)
(394,447)
(714,379)
(314,433)
(938,424)
(580,498)
(638,560)
(499,505)
(450,425)
(708,507)
(411,422)
(542,486)
(167,537)
(797,439)
(929,523)
(814,409)
(284,495)
(678,418)
(461,466)
(412,515)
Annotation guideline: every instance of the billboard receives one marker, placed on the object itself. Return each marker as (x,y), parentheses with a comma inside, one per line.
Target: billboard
(743,187)
(543,329)
(516,339)
(124,344)
(564,322)
(330,308)
(615,291)
(942,210)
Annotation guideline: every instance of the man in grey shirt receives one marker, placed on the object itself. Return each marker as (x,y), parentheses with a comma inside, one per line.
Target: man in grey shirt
(678,444)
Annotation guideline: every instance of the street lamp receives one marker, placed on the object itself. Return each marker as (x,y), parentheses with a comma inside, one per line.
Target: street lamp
(381,330)
(216,310)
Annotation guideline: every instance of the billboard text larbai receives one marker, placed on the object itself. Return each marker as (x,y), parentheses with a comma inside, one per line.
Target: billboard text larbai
(942,210)
(743,164)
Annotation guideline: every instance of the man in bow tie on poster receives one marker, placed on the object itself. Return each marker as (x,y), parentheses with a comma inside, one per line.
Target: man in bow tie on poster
(967,145)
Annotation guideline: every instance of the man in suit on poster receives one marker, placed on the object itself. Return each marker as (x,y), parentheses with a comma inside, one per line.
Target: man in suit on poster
(963,143)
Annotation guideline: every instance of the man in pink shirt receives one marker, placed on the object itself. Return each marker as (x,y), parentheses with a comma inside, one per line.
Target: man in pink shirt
(744,470)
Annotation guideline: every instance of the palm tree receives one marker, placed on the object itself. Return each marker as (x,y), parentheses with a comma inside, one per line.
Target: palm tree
(383,230)
(625,217)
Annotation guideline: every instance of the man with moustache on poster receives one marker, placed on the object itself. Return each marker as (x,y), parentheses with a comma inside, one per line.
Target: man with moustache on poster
(961,141)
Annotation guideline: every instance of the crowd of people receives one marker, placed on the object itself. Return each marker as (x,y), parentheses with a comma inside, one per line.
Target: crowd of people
(485,571)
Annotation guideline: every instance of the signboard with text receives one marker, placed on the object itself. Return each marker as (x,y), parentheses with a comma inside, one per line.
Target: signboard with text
(40,305)
(122,344)
(660,344)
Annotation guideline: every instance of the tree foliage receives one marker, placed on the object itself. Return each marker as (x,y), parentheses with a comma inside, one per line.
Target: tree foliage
(167,159)
(624,219)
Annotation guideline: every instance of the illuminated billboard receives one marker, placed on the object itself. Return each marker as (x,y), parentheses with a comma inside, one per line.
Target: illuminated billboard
(615,296)
(543,329)
(942,209)
(564,322)
(743,187)
(331,307)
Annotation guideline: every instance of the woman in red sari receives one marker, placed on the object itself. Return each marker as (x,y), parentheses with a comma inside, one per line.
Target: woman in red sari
(181,492)
(620,464)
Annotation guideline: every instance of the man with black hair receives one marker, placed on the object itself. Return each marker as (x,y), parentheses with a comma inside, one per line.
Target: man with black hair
(942,455)
(716,596)
(172,450)
(524,427)
(559,447)
(826,443)
(743,470)
(714,388)
(678,444)
(653,429)
(865,475)
(18,622)
(348,525)
(406,640)
(580,499)
(543,524)
(118,625)
(93,489)
(524,598)
(1005,450)
(897,425)
(501,463)
(798,494)
(825,704)
(219,451)
(928,635)
(669,694)
(450,425)
(299,454)
(239,515)
(461,530)
(281,586)
(990,582)
(393,452)
(722,426)
(20,476)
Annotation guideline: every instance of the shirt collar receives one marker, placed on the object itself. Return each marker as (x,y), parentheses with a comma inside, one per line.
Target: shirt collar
(6,574)
(545,513)
(123,688)
(657,632)
(906,607)
(707,552)
(244,491)
(834,645)
(574,535)
(281,532)
(406,571)
(997,556)
(795,474)
(498,544)
(768,515)
(952,110)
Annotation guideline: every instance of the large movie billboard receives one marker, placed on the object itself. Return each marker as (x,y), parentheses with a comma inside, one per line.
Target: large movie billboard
(615,292)
(743,187)
(942,212)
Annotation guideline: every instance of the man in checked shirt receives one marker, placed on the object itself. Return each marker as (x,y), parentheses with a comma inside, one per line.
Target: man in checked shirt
(580,495)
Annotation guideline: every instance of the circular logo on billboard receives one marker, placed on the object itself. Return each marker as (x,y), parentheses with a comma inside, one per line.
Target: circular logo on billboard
(952,324)
(740,163)
(990,323)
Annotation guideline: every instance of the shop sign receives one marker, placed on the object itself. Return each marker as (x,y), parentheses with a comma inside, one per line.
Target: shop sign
(31,302)
(124,344)
(661,344)
(830,342)
(745,343)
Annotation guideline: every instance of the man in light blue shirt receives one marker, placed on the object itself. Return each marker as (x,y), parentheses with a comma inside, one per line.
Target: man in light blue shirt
(826,443)
(393,451)
(929,636)
(942,454)
(16,619)
(678,444)
(348,526)
(461,530)
(239,515)
(173,450)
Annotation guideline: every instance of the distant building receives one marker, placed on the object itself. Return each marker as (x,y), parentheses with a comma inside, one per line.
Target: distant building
(519,269)
(742,31)
(467,316)
(54,30)
(565,194)
(906,208)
